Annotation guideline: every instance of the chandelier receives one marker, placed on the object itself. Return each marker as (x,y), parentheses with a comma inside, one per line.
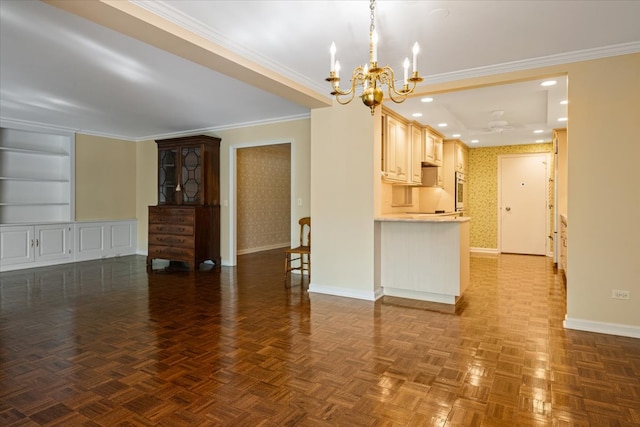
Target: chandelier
(371,77)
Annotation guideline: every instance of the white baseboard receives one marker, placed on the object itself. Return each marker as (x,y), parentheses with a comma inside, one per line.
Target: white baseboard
(314,288)
(422,296)
(492,251)
(602,327)
(262,248)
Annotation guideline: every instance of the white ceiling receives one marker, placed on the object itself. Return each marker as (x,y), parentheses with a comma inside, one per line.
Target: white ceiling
(62,70)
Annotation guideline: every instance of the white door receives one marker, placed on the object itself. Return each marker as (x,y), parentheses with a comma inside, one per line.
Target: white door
(523,203)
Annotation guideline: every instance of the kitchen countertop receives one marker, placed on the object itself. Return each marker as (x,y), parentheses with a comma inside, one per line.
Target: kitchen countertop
(423,217)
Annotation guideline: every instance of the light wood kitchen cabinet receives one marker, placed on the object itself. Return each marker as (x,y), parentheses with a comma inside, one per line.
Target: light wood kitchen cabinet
(433,147)
(461,154)
(395,150)
(416,154)
(433,176)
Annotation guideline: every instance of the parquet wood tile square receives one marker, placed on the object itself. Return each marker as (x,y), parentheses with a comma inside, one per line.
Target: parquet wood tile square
(109,343)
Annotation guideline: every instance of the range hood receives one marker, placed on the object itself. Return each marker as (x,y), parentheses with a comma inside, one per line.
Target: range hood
(432,176)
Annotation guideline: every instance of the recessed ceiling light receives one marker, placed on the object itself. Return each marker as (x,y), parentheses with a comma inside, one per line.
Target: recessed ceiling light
(416,115)
(456,135)
(427,99)
(539,140)
(564,102)
(442,125)
(548,83)
(538,131)
(562,119)
(475,141)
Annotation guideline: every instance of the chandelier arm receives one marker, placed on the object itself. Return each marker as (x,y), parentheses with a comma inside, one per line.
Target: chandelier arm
(358,78)
(345,101)
(339,92)
(388,77)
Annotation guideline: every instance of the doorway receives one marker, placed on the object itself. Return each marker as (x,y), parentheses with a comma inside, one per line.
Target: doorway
(523,203)
(234,192)
(263,198)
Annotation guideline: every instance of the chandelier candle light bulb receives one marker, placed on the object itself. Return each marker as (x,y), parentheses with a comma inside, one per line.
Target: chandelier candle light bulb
(374,47)
(405,65)
(332,50)
(371,77)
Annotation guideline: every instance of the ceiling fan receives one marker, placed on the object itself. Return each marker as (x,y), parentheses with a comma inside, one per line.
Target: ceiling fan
(497,123)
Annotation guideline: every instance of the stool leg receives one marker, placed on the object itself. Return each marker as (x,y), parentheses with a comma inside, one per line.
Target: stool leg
(286,266)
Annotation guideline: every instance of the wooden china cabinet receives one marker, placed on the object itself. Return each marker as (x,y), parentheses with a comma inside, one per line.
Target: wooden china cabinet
(185,225)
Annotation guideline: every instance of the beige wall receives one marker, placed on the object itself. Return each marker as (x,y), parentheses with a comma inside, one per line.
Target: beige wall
(482,181)
(147,188)
(603,197)
(344,175)
(105,178)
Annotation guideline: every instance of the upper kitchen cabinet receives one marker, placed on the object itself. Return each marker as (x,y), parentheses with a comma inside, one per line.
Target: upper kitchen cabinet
(36,176)
(461,155)
(188,171)
(432,153)
(416,153)
(395,149)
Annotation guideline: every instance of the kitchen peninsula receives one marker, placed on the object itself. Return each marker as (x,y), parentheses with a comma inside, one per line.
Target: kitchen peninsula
(423,256)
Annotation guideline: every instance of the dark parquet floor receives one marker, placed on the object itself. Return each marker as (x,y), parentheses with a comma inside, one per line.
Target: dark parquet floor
(107,343)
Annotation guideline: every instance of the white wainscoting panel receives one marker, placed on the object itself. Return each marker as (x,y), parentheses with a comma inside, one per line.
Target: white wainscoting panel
(97,240)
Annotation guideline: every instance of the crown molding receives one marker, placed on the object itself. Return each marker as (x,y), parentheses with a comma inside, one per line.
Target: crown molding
(44,127)
(539,62)
(161,8)
(185,21)
(34,126)
(227,127)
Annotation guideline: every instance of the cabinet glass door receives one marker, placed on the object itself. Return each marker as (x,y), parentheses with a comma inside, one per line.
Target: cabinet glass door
(191,176)
(167,176)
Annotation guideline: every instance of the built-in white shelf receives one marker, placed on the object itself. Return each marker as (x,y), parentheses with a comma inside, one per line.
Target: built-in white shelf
(36,175)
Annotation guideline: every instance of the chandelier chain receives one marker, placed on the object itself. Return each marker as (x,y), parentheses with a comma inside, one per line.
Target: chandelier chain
(372,6)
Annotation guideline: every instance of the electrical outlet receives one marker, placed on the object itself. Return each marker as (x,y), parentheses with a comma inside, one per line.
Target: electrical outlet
(618,294)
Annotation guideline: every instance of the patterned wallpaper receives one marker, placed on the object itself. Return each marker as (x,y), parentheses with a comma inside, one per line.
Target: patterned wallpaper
(264,197)
(482,180)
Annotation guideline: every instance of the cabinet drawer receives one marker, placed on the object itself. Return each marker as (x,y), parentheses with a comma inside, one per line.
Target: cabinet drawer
(177,240)
(171,253)
(172,216)
(183,230)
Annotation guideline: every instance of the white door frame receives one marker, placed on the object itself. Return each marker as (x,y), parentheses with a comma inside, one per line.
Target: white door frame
(547,178)
(233,188)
